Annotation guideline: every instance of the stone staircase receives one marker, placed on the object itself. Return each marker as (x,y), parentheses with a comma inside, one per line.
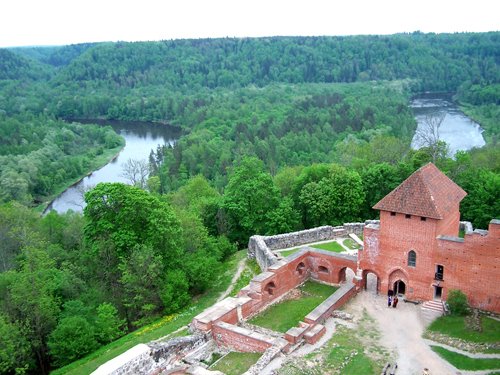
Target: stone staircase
(432,310)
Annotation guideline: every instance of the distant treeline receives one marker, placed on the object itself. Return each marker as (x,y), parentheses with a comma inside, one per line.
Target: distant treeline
(86,80)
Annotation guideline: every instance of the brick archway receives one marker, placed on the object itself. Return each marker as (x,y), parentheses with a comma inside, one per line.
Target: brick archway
(346,273)
(371,281)
(398,278)
(301,269)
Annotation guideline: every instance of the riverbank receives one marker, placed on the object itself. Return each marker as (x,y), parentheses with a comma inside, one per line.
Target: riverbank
(485,115)
(100,161)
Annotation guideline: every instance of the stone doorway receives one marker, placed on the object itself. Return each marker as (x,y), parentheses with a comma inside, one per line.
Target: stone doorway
(399,287)
(438,292)
(371,282)
(346,275)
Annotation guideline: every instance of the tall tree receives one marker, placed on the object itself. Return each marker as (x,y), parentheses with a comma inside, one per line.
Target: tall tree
(249,196)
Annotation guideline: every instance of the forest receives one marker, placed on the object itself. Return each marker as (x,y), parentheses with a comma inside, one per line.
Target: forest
(279,134)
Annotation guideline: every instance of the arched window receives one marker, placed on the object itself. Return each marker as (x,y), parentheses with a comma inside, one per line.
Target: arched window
(269,288)
(323,269)
(301,268)
(412,259)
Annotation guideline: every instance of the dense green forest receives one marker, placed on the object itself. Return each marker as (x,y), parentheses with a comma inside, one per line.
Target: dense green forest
(279,134)
(39,155)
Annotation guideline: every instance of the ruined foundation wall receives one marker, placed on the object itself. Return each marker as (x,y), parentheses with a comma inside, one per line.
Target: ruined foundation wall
(260,247)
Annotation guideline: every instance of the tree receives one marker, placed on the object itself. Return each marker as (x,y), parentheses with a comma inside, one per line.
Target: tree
(126,216)
(136,172)
(35,304)
(73,337)
(175,293)
(17,229)
(482,202)
(15,355)
(250,194)
(132,238)
(457,301)
(378,181)
(427,136)
(334,200)
(283,219)
(142,276)
(108,326)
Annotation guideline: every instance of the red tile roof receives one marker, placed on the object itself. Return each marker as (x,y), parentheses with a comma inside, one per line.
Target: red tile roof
(428,192)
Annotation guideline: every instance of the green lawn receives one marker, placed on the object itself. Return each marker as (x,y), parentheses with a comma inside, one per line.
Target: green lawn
(351,244)
(287,314)
(333,246)
(454,326)
(235,363)
(463,362)
(343,345)
(289,252)
(155,330)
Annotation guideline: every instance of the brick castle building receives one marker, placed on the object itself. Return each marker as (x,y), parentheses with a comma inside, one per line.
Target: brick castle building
(416,249)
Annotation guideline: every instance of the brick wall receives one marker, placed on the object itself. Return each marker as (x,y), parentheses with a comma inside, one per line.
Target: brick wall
(267,288)
(240,339)
(470,264)
(473,266)
(334,302)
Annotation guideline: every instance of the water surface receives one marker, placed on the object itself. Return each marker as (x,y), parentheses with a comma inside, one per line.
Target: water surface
(457,130)
(140,138)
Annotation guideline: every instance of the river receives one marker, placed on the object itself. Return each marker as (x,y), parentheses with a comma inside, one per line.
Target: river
(457,130)
(140,138)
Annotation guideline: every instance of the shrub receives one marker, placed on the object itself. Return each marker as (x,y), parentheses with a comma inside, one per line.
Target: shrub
(457,301)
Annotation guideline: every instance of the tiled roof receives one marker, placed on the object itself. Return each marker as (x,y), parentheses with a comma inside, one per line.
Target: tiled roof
(427,192)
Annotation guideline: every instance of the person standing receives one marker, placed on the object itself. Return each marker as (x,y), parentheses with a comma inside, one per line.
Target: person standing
(395,301)
(389,301)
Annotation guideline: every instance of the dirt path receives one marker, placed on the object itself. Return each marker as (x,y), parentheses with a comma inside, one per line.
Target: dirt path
(401,332)
(239,270)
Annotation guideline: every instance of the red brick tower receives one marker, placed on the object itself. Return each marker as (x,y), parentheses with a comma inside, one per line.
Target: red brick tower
(401,251)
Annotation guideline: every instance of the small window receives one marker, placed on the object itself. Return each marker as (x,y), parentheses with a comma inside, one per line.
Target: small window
(269,288)
(423,218)
(412,259)
(323,269)
(408,216)
(393,214)
(301,268)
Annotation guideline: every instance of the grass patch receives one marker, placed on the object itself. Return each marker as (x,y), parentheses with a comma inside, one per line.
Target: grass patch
(251,269)
(454,326)
(463,362)
(289,252)
(333,246)
(287,314)
(342,354)
(343,346)
(157,329)
(351,244)
(235,363)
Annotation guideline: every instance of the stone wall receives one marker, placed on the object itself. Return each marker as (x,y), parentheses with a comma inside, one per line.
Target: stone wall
(260,247)
(151,358)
